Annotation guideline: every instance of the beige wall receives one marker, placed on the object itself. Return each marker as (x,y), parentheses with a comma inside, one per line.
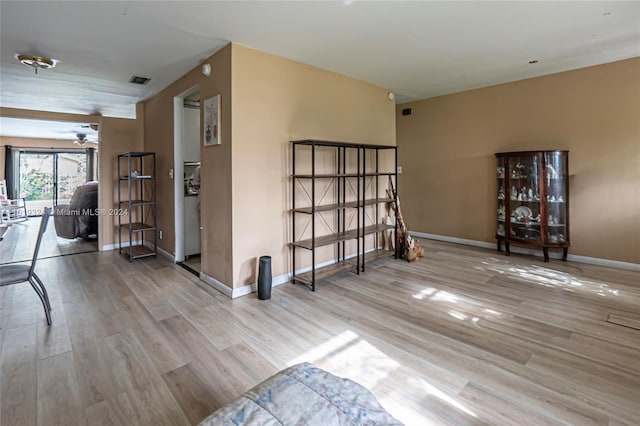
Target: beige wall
(276,100)
(117,135)
(216,241)
(447,150)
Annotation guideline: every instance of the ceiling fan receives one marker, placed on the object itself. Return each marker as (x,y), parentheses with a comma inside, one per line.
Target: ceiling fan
(81,136)
(81,139)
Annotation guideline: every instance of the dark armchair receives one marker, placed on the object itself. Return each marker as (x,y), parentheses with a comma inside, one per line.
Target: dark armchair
(79,218)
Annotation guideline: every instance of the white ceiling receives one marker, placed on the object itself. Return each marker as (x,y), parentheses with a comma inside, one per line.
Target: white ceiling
(418,49)
(45,129)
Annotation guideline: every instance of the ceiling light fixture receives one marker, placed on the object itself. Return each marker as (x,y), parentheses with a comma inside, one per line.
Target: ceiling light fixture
(36,61)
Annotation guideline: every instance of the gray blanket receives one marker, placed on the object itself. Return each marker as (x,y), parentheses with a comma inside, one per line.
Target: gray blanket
(303,395)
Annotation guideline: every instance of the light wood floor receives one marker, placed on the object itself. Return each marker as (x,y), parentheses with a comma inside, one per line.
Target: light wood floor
(463,336)
(20,239)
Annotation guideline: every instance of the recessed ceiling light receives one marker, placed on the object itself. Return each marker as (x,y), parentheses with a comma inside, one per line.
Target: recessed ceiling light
(533,61)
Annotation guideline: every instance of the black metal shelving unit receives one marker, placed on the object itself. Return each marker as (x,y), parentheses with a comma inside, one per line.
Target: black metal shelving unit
(350,169)
(138,171)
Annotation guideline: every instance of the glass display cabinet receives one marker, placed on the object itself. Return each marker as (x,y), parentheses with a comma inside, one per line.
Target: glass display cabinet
(533,200)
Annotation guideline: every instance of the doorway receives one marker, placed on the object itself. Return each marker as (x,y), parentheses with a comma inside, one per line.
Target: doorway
(187,132)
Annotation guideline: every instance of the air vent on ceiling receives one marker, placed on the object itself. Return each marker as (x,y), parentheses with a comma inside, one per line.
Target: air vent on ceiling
(139,80)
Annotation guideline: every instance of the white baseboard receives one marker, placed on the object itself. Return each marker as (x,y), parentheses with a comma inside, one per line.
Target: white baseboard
(276,281)
(522,250)
(221,287)
(161,251)
(108,247)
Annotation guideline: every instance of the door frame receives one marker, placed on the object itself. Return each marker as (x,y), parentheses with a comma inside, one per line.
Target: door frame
(178,172)
(52,151)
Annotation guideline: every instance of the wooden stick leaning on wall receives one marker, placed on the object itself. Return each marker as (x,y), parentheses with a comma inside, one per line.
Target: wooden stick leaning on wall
(401,228)
(408,248)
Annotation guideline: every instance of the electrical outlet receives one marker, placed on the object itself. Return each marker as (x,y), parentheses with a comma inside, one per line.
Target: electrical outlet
(399,170)
(170,173)
(160,234)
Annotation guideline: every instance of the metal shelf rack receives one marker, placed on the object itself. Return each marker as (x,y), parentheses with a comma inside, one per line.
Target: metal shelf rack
(354,165)
(138,171)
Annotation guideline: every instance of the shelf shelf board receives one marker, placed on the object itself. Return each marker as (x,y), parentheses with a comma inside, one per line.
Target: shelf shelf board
(336,268)
(135,203)
(326,207)
(138,226)
(138,252)
(557,224)
(338,206)
(526,224)
(336,144)
(326,176)
(380,174)
(143,177)
(374,201)
(135,154)
(326,240)
(329,239)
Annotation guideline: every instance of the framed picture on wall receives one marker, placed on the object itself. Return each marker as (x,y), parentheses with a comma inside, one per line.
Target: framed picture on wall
(212,121)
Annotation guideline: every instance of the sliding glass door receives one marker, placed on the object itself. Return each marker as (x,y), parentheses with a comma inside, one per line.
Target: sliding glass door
(71,173)
(50,178)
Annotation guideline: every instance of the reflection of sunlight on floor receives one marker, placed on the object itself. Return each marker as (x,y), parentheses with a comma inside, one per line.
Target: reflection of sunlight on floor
(443,296)
(458,315)
(473,312)
(432,390)
(349,355)
(549,277)
(424,293)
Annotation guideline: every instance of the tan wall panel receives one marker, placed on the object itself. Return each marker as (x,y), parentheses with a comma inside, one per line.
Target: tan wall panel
(447,150)
(117,135)
(215,193)
(276,100)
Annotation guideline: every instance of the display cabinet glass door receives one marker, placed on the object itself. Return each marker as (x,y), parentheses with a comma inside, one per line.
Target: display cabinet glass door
(524,198)
(557,198)
(502,225)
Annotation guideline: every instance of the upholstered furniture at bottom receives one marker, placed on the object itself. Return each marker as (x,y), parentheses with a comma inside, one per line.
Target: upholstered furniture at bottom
(303,395)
